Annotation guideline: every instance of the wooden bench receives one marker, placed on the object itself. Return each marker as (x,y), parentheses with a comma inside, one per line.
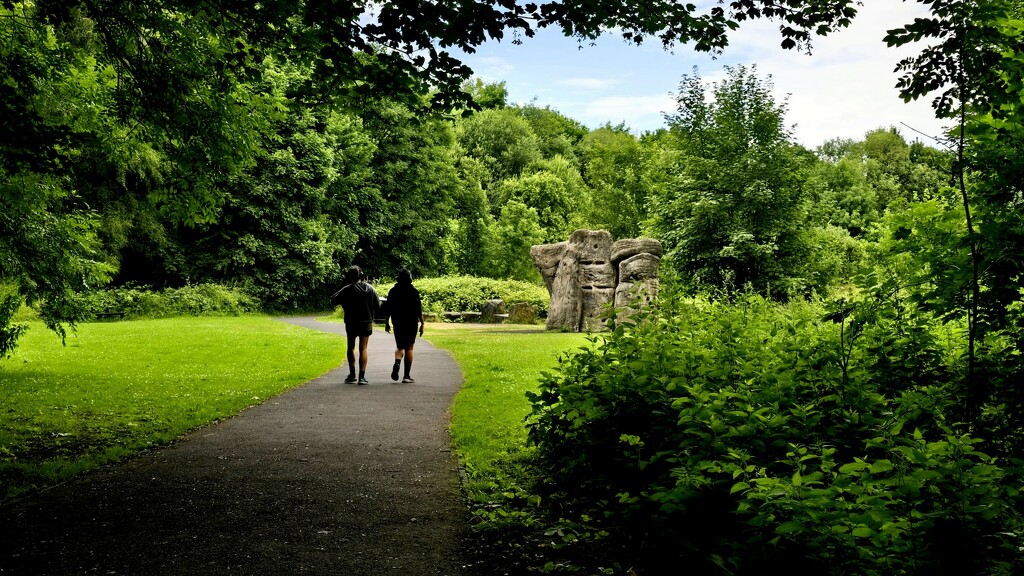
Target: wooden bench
(462,316)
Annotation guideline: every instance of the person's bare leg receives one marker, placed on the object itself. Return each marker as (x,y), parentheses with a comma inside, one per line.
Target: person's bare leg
(364,343)
(351,357)
(408,361)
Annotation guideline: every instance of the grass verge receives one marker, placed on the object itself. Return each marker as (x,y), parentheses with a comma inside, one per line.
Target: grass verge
(500,364)
(118,388)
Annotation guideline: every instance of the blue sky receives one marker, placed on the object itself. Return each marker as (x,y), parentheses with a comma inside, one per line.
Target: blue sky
(843,89)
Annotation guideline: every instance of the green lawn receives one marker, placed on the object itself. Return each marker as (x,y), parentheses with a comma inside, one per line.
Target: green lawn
(117,388)
(120,387)
(500,365)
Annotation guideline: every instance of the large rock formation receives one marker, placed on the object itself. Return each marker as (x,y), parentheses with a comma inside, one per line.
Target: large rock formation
(589,271)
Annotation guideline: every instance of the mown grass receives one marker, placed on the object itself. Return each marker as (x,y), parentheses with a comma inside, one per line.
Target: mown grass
(500,364)
(118,388)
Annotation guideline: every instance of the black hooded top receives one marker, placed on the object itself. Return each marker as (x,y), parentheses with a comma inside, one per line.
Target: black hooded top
(404,305)
(359,300)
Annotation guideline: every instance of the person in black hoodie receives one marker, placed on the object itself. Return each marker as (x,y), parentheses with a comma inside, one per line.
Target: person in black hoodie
(405,309)
(360,302)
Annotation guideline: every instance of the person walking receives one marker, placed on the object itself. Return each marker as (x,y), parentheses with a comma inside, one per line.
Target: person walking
(405,309)
(360,302)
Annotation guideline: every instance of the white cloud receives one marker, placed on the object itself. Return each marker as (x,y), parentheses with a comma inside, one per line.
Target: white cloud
(843,89)
(846,87)
(492,68)
(588,83)
(633,110)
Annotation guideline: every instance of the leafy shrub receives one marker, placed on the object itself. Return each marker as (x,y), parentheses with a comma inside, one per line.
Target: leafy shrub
(1002,366)
(469,293)
(10,329)
(193,300)
(760,437)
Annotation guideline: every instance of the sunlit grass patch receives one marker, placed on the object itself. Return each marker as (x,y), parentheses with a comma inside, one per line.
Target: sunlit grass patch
(500,364)
(117,388)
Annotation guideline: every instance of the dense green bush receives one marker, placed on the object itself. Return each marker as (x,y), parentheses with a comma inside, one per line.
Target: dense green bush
(1002,366)
(754,437)
(10,329)
(196,300)
(468,293)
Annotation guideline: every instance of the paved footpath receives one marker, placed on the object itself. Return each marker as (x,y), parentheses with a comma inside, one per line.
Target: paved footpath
(327,478)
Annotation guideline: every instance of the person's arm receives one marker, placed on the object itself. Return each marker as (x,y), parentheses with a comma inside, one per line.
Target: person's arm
(419,309)
(336,297)
(374,305)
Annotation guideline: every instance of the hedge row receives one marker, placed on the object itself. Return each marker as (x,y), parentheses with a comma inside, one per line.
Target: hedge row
(469,293)
(197,300)
(445,294)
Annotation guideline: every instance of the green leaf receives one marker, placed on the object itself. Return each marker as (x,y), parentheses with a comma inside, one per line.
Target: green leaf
(853,467)
(739,487)
(863,532)
(791,527)
(880,466)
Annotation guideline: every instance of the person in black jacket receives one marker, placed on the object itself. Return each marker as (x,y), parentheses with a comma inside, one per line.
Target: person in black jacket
(360,302)
(404,309)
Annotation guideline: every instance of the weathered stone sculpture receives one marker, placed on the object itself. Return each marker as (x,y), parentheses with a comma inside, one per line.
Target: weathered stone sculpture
(637,261)
(589,271)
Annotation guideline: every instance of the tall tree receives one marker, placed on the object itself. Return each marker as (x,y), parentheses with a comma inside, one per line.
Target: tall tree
(735,209)
(840,196)
(550,199)
(287,225)
(502,141)
(513,232)
(57,127)
(613,165)
(857,180)
(468,236)
(893,173)
(557,135)
(486,94)
(414,174)
(975,68)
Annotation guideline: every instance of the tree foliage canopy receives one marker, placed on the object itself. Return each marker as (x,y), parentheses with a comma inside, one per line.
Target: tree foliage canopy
(734,212)
(410,40)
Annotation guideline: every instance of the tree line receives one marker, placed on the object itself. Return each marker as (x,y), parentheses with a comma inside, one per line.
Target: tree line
(170,141)
(183,142)
(275,194)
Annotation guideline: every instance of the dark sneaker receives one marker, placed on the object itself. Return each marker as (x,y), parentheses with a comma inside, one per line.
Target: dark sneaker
(394,372)
(408,380)
(350,380)
(363,381)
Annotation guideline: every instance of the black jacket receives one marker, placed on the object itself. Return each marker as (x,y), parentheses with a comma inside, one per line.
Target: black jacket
(404,305)
(359,300)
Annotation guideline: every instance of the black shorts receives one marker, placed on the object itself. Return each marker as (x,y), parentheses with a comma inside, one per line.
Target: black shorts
(405,336)
(359,329)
